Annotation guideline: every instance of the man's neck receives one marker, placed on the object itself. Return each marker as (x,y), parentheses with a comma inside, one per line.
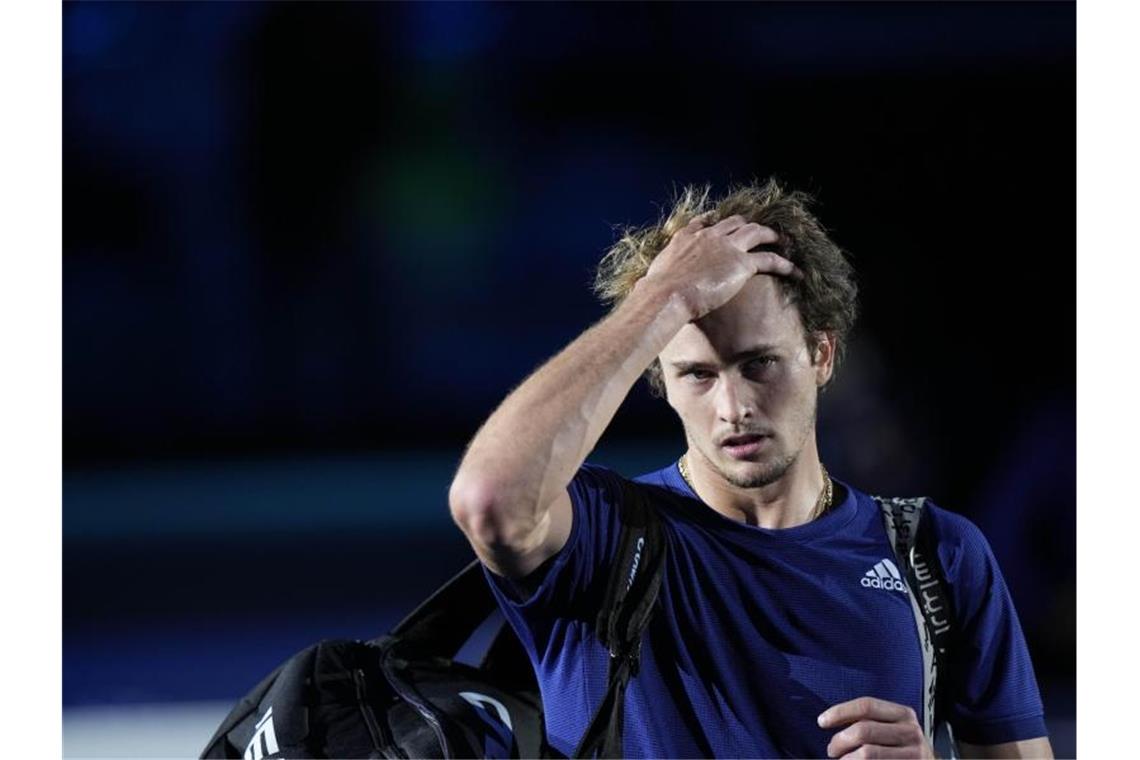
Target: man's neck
(784,503)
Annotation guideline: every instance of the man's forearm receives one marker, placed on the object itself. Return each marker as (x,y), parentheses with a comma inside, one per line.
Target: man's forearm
(1038,748)
(527,452)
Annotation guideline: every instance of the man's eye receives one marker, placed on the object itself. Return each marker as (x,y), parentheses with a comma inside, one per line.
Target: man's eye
(698,374)
(759,364)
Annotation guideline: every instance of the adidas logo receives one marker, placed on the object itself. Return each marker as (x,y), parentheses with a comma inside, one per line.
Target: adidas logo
(883,575)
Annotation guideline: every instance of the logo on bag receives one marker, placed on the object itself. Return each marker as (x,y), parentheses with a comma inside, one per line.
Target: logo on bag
(932,601)
(497,742)
(264,741)
(884,575)
(636,562)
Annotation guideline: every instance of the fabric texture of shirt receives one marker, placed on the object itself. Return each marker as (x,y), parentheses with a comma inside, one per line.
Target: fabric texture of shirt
(758,631)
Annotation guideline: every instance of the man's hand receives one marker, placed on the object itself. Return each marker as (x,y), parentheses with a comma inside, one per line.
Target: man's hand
(875,728)
(706,266)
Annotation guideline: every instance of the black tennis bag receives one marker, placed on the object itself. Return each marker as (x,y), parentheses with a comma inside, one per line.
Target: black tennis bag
(400,695)
(403,695)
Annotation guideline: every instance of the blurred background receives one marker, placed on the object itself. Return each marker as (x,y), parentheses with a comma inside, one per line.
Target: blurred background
(309,247)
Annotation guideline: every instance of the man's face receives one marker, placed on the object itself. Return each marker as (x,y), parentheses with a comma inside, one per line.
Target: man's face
(744,383)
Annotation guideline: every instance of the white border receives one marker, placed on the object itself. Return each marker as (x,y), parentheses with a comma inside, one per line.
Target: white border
(30,326)
(1107,299)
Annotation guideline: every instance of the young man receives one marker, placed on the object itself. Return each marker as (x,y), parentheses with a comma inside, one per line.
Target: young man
(765,642)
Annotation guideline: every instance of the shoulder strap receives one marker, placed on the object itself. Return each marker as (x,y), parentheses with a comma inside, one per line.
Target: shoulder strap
(630,596)
(446,619)
(916,552)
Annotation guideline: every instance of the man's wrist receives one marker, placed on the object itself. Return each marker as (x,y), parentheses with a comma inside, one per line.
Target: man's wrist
(667,306)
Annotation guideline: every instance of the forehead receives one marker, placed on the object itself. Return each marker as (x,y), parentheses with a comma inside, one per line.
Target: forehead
(759,315)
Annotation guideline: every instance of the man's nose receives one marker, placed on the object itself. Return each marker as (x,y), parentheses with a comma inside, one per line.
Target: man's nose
(733,404)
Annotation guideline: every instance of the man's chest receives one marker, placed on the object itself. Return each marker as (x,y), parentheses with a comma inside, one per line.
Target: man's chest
(827,622)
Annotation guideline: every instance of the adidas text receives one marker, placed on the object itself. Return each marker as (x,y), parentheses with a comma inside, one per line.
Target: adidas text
(883,575)
(888,584)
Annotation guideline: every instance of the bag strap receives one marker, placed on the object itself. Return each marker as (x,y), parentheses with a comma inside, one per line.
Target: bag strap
(446,619)
(630,596)
(916,551)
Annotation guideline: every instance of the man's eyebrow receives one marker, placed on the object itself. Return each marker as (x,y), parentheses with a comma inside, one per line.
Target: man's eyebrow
(684,366)
(750,353)
(739,356)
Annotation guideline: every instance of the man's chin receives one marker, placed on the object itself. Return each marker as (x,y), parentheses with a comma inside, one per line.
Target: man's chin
(757,474)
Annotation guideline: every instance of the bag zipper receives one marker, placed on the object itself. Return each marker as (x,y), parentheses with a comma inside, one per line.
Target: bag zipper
(381,740)
(413,699)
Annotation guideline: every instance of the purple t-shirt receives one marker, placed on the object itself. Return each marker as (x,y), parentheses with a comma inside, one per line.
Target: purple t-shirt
(759,631)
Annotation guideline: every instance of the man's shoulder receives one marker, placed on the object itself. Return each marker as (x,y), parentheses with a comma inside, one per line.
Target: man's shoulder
(597,489)
(963,550)
(945,523)
(667,478)
(954,533)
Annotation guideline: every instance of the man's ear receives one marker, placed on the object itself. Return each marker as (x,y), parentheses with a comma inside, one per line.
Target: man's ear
(823,356)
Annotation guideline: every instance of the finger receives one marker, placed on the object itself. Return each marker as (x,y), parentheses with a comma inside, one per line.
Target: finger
(863,708)
(766,262)
(875,751)
(751,235)
(728,224)
(698,221)
(867,732)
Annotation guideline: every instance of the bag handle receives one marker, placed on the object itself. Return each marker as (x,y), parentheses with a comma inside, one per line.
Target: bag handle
(446,619)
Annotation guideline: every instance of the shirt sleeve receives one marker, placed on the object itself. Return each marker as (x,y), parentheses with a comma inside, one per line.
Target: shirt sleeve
(570,585)
(992,691)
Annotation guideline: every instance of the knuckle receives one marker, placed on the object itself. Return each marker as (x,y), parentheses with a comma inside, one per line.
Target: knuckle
(857,732)
(911,716)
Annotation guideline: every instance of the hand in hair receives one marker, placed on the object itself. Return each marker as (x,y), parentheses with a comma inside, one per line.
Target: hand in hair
(704,267)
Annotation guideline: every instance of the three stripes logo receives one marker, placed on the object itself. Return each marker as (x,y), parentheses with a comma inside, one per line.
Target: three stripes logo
(884,575)
(264,741)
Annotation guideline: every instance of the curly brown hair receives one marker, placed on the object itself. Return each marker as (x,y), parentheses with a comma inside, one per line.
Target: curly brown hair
(826,296)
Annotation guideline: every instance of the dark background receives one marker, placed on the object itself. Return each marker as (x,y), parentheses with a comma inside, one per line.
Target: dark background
(309,247)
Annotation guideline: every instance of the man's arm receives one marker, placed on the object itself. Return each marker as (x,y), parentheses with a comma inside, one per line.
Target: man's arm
(509,495)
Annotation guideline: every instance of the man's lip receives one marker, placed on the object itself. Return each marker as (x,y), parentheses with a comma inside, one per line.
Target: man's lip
(739,440)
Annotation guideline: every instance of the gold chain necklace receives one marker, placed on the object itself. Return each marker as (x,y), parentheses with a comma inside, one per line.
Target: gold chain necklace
(822,504)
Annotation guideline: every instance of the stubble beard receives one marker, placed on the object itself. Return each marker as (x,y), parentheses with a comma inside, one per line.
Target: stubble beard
(768,472)
(760,474)
(766,476)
